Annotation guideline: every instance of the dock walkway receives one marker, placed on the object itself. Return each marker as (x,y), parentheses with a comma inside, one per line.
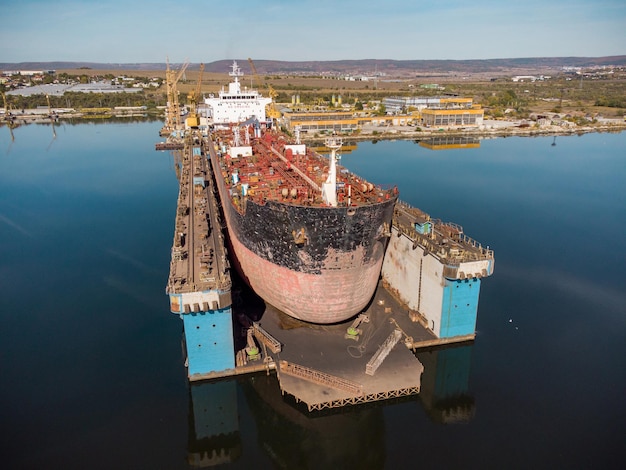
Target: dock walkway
(199,278)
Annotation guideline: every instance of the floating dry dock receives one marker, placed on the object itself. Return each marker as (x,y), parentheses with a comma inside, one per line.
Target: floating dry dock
(436,271)
(427,296)
(199,284)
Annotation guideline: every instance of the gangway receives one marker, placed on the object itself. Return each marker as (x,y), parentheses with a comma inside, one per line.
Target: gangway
(264,337)
(382,353)
(320,378)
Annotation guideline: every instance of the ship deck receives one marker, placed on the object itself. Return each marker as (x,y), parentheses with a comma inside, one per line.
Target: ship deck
(273,169)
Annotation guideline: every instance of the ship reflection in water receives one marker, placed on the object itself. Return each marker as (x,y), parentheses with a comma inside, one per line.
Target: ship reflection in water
(293,438)
(450,142)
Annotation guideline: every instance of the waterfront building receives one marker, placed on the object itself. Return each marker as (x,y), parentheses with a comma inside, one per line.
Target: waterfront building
(340,121)
(442,111)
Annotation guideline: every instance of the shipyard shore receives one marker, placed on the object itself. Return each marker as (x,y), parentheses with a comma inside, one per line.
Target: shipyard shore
(490,129)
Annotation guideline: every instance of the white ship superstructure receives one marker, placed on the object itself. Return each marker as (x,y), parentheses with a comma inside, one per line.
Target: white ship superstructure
(235,105)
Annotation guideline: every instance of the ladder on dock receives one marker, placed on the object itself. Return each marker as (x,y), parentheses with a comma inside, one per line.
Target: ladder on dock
(268,340)
(382,353)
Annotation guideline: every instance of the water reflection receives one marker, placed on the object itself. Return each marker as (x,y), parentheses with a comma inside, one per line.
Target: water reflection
(445,384)
(450,142)
(293,438)
(214,437)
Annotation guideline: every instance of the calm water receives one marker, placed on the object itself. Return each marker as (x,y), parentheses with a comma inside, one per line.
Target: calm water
(90,358)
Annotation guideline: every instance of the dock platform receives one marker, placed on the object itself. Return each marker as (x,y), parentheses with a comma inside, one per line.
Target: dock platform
(332,364)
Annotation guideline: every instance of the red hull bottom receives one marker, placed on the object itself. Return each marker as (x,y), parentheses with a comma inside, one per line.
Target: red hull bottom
(330,297)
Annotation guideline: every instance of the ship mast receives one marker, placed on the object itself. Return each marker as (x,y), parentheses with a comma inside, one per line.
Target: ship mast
(329,188)
(234,87)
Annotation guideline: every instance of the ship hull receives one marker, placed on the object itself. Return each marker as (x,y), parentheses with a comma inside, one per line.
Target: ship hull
(316,264)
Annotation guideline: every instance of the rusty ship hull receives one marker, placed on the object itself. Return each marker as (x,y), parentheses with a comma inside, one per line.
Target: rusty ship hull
(315,262)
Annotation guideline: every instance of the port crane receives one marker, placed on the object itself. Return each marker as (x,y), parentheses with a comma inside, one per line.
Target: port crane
(8,117)
(8,114)
(193,120)
(272,111)
(172,118)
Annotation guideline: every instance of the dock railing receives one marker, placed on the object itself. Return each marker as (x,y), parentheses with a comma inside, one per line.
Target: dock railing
(321,378)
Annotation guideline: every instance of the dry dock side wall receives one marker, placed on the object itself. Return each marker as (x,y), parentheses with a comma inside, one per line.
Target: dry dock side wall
(449,305)
(209,341)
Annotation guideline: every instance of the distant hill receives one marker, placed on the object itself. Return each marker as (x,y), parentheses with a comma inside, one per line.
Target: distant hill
(369,66)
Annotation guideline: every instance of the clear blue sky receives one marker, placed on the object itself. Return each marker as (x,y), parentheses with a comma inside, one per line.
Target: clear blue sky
(119,31)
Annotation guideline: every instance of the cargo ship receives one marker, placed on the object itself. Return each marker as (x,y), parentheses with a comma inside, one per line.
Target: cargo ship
(307,235)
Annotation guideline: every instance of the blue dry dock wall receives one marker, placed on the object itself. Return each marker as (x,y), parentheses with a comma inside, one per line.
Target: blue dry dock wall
(460,307)
(209,340)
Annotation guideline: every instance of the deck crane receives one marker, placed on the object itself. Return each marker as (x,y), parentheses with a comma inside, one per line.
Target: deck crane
(272,111)
(353,332)
(252,351)
(172,118)
(193,120)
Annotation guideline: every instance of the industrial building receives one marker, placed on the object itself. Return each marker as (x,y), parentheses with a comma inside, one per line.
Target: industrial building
(442,112)
(334,121)
(472,117)
(448,111)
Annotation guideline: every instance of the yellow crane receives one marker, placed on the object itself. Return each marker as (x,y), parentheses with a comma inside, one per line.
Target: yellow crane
(172,117)
(51,114)
(193,120)
(272,111)
(8,109)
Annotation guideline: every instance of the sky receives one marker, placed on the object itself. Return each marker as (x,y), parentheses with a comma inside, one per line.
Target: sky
(138,31)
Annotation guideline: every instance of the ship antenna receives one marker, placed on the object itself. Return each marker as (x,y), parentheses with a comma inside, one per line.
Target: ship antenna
(329,188)
(236,72)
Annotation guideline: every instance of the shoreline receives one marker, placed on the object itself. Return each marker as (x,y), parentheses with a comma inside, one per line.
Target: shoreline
(504,128)
(508,131)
